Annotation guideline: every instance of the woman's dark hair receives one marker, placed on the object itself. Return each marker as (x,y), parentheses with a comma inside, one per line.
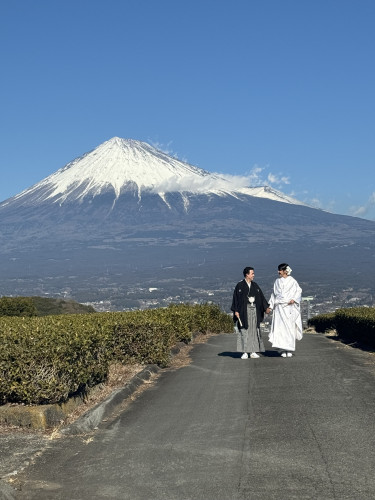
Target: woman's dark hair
(282,267)
(247,270)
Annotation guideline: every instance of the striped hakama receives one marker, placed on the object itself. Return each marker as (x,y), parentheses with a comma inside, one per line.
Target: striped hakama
(250,340)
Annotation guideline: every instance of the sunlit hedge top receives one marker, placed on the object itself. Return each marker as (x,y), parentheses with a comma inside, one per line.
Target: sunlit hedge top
(355,323)
(46,359)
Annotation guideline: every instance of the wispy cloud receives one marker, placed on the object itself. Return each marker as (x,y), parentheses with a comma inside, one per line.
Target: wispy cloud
(167,149)
(258,176)
(315,202)
(193,183)
(212,182)
(277,180)
(360,211)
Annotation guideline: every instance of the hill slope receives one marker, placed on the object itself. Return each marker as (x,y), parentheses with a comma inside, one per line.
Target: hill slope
(121,219)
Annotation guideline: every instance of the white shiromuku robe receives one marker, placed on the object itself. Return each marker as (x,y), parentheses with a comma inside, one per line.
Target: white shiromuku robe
(286,322)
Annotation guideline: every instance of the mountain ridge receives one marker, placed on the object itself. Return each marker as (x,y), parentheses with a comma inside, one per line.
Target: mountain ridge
(92,244)
(120,165)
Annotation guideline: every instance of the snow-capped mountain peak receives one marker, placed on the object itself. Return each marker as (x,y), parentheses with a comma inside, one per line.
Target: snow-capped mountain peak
(120,165)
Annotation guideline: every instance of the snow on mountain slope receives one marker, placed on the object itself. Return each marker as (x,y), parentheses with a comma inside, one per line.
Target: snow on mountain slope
(119,165)
(270,194)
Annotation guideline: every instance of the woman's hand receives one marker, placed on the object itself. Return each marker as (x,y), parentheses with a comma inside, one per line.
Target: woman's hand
(291,301)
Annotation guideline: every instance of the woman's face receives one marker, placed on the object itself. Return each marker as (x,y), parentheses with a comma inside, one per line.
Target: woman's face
(283,274)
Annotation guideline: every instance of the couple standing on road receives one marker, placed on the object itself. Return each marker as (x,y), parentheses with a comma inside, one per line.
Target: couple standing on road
(249,307)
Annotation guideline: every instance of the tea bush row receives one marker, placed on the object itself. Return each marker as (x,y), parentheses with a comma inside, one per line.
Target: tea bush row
(355,324)
(47,359)
(323,322)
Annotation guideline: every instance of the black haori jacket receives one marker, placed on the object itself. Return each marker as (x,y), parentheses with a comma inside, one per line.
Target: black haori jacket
(240,301)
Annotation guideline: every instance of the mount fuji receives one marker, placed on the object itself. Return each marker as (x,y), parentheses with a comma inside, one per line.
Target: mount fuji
(118,166)
(127,217)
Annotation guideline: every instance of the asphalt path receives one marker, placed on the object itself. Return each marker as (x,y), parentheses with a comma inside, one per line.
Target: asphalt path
(223,428)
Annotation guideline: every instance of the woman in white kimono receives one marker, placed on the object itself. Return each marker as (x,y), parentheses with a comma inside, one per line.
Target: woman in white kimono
(286,321)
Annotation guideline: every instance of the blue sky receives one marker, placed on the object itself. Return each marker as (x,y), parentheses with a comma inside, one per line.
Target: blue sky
(280,91)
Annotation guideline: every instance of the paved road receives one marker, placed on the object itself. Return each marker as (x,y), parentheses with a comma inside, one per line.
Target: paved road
(223,428)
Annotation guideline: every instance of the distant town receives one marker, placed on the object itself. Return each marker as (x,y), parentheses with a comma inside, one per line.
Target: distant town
(311,305)
(114,293)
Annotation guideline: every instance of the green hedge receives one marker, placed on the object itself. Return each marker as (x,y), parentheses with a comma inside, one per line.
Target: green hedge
(44,360)
(47,359)
(323,322)
(355,324)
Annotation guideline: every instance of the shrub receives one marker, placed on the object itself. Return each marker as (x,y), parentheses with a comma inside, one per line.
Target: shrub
(200,318)
(40,306)
(356,324)
(47,359)
(323,322)
(47,306)
(17,306)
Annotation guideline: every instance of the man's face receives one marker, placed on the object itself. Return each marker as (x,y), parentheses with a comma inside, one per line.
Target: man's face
(250,275)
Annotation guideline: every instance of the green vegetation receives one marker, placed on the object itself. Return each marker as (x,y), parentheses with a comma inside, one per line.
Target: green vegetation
(40,306)
(47,359)
(323,322)
(17,306)
(356,324)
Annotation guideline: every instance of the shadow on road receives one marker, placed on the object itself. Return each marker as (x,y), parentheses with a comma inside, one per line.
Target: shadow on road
(352,343)
(267,354)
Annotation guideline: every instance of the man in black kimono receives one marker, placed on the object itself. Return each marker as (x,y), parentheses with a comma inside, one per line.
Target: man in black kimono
(249,306)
